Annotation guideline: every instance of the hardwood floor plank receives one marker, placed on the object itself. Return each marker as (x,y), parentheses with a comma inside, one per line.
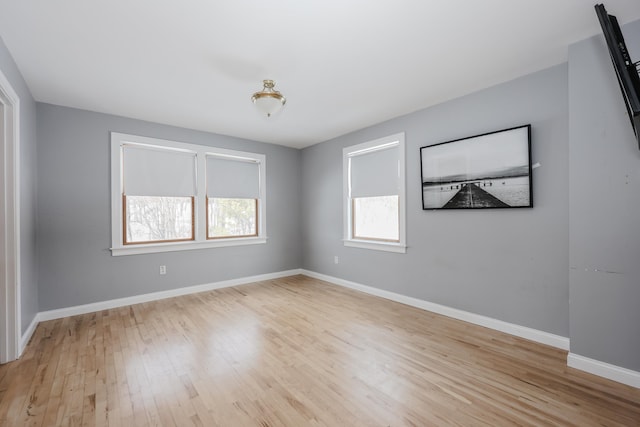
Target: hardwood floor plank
(296,351)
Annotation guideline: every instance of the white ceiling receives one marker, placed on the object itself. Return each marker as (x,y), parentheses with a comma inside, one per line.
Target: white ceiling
(342,64)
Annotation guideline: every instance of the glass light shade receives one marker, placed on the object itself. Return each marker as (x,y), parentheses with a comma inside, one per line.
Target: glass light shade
(268,105)
(268,101)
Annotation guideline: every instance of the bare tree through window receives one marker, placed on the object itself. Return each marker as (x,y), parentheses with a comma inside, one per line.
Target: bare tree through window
(231,217)
(152,219)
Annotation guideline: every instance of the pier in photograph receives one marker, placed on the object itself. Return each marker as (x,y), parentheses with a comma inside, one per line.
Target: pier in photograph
(472,196)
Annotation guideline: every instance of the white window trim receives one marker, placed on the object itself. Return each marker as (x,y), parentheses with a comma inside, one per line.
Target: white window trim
(347,152)
(200,239)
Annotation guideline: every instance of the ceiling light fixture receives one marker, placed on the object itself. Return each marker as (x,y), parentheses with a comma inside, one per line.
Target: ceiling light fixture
(268,100)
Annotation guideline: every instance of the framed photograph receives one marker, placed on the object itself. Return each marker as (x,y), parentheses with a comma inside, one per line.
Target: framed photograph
(491,170)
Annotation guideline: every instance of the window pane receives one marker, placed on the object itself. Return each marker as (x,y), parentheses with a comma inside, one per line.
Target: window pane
(156,219)
(376,218)
(231,217)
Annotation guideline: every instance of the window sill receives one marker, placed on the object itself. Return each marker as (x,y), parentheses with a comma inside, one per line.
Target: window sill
(377,246)
(184,246)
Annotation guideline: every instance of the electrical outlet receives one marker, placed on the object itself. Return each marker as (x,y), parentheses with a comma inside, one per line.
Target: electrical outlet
(336,260)
(163,269)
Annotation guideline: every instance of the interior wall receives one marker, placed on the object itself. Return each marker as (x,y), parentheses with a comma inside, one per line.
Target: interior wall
(74,236)
(508,264)
(604,208)
(28,189)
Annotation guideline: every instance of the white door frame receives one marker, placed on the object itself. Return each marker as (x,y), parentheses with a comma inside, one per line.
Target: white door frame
(10,327)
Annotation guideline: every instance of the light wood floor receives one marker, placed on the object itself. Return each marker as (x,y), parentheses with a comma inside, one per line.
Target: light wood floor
(295,352)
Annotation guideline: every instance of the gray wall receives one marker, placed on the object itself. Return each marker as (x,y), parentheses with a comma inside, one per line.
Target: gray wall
(508,264)
(28,174)
(76,266)
(604,208)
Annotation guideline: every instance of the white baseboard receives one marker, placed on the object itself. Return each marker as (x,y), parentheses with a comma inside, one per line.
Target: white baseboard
(24,339)
(612,372)
(606,370)
(488,322)
(602,369)
(154,296)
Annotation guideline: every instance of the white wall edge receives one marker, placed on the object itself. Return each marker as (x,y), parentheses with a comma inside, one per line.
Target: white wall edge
(542,337)
(154,296)
(606,370)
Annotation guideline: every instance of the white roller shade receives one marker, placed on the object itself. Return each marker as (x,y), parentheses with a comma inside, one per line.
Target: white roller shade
(232,179)
(375,173)
(158,172)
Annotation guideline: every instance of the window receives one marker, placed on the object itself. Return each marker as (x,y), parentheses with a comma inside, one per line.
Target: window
(374,194)
(158,192)
(232,197)
(169,196)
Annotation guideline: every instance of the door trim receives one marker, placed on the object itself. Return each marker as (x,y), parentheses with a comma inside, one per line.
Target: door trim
(10,223)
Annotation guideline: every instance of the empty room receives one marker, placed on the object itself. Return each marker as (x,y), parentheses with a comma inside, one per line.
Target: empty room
(246,213)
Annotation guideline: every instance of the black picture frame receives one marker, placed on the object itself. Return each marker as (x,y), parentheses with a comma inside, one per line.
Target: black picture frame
(486,171)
